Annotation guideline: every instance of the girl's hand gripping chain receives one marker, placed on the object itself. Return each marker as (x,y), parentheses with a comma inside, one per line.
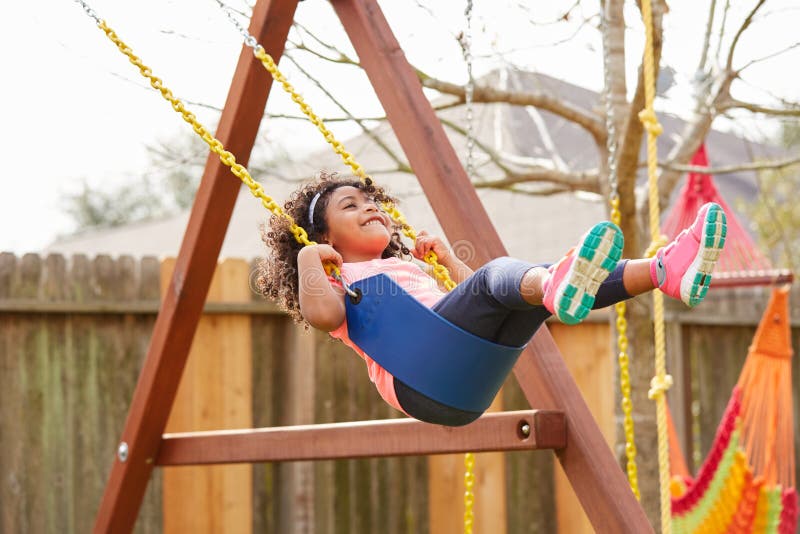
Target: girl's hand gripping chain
(426,242)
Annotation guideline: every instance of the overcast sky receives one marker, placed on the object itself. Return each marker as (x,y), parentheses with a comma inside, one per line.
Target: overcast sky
(74,109)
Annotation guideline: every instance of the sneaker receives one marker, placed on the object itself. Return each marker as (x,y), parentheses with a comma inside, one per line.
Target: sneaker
(570,289)
(683,268)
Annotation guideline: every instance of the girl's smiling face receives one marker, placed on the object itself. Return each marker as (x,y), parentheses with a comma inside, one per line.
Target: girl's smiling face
(357,228)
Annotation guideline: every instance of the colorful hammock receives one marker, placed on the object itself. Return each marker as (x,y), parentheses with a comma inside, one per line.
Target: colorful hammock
(741,262)
(747,482)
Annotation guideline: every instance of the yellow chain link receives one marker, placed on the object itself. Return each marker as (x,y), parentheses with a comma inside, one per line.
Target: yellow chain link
(661,381)
(439,271)
(214,144)
(625,378)
(469,495)
(227,158)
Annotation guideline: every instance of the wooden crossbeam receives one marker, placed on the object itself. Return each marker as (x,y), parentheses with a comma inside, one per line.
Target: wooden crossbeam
(517,430)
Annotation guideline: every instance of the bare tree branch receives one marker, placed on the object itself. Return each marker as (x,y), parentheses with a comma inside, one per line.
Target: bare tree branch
(714,99)
(568,181)
(701,67)
(732,103)
(425,8)
(784,102)
(493,156)
(328,46)
(752,166)
(722,28)
(367,131)
(195,103)
(628,152)
(342,59)
(377,118)
(326,120)
(586,22)
(617,81)
(587,119)
(747,21)
(590,121)
(565,16)
(769,56)
(543,192)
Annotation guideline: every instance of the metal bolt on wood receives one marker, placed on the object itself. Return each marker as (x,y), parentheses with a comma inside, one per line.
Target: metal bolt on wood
(122,452)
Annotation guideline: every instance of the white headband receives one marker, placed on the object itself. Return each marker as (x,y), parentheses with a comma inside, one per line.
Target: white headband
(311,210)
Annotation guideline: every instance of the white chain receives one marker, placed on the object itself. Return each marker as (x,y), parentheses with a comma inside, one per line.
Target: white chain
(466,46)
(249,40)
(611,128)
(89,11)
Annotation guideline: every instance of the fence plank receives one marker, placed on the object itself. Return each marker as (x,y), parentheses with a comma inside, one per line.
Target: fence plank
(150,279)
(586,352)
(446,489)
(80,284)
(26,283)
(530,504)
(268,347)
(296,508)
(215,392)
(65,382)
(719,354)
(8,266)
(117,348)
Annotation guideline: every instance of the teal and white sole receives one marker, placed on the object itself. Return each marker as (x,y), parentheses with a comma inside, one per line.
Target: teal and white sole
(697,279)
(595,257)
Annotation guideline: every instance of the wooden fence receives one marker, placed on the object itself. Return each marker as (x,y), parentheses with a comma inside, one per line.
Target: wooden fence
(74,332)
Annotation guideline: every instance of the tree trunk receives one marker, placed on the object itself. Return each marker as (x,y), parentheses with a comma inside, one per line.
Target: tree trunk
(640,326)
(642,369)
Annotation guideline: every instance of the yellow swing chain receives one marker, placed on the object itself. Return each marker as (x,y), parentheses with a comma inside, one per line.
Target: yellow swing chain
(466,45)
(240,171)
(440,271)
(620,308)
(661,382)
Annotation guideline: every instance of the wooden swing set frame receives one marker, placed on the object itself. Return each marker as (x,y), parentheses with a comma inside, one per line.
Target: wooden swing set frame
(562,421)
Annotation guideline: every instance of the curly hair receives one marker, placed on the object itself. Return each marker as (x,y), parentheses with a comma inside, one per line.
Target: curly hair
(277,276)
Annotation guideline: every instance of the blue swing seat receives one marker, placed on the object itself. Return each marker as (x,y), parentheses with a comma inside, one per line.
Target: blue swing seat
(424,350)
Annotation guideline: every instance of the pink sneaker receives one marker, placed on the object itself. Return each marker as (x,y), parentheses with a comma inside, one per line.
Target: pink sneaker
(683,268)
(570,289)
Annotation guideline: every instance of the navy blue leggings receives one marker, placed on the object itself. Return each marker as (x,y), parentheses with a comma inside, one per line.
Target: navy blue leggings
(488,304)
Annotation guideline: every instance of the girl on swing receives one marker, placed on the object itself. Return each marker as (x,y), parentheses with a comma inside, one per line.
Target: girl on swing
(505,301)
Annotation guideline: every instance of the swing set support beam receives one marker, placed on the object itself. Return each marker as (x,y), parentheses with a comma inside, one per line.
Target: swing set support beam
(182,304)
(587,460)
(503,431)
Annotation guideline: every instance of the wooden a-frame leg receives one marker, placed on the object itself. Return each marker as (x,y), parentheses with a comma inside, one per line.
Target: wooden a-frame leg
(183,303)
(587,460)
